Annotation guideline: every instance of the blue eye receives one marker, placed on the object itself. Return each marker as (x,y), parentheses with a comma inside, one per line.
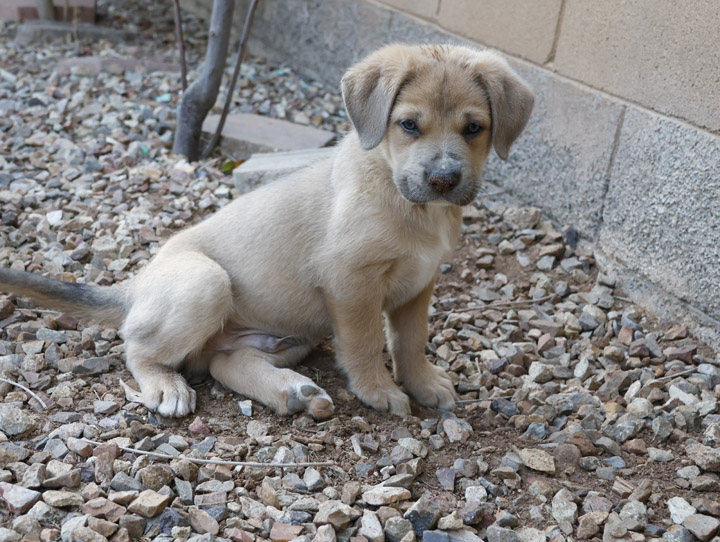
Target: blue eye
(473,128)
(410,126)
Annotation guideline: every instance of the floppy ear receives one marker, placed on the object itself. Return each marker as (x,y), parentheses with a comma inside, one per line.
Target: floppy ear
(511,100)
(369,89)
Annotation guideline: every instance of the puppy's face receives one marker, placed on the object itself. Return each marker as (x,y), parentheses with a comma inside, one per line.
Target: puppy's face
(435,112)
(439,136)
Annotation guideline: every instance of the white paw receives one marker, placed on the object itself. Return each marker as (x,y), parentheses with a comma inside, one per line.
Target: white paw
(431,387)
(306,396)
(169,395)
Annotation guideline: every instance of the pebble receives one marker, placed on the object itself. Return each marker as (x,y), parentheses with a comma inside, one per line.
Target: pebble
(14,421)
(680,509)
(701,526)
(149,503)
(385,495)
(538,460)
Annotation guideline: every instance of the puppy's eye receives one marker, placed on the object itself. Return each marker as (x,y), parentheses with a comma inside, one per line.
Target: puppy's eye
(410,126)
(473,128)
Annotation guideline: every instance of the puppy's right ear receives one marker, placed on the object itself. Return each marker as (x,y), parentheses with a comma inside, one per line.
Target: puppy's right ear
(369,89)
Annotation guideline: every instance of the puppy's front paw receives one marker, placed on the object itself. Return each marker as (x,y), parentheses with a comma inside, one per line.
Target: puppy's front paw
(168,395)
(431,387)
(387,399)
(310,398)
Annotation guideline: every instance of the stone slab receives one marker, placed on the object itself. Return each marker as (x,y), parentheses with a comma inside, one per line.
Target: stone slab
(246,134)
(427,9)
(265,167)
(560,162)
(46,31)
(93,65)
(663,55)
(663,207)
(519,27)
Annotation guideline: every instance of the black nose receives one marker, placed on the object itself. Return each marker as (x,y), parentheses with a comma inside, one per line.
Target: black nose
(443,180)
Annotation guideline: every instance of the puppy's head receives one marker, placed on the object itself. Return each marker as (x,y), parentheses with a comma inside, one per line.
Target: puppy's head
(435,111)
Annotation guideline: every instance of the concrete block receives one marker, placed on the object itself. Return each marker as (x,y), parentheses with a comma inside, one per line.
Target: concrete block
(560,162)
(663,55)
(93,65)
(662,209)
(44,31)
(323,37)
(427,9)
(24,10)
(245,134)
(265,167)
(519,27)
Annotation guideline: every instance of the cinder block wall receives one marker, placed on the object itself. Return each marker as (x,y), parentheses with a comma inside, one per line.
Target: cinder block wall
(624,143)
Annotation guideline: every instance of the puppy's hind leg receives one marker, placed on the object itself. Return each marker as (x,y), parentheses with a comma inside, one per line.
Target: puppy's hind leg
(253,373)
(177,305)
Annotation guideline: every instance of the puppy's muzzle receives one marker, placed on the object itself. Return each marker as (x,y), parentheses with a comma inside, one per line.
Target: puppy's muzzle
(443,180)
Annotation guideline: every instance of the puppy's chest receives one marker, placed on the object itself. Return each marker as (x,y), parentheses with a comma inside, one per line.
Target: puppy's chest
(412,272)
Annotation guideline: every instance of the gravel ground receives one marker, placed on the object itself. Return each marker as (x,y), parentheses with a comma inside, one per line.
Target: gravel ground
(580,416)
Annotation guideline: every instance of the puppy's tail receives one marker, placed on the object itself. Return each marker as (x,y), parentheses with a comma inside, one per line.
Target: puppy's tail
(103,304)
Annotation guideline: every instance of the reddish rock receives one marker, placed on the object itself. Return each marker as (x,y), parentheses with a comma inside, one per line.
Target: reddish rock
(198,428)
(635,446)
(683,353)
(106,455)
(103,508)
(284,532)
(17,498)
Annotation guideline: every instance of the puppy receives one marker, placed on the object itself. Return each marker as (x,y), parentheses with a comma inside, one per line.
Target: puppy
(349,246)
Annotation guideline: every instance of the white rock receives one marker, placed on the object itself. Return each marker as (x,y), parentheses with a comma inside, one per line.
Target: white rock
(680,509)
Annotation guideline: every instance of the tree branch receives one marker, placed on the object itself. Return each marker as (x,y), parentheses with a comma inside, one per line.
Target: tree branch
(201,95)
(231,87)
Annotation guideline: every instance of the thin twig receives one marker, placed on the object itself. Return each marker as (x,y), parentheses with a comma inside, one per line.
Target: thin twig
(221,462)
(674,375)
(34,395)
(231,87)
(496,305)
(181,44)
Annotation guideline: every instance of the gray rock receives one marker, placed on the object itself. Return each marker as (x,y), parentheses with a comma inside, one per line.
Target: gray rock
(396,528)
(423,514)
(564,507)
(661,429)
(634,516)
(676,533)
(123,482)
(446,477)
(702,526)
(499,534)
(370,527)
(91,366)
(655,454)
(704,457)
(14,421)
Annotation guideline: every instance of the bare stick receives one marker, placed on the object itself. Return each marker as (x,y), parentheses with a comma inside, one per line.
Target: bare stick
(34,395)
(200,96)
(231,87)
(181,44)
(222,462)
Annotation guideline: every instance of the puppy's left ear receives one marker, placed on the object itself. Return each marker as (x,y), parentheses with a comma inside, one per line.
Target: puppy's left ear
(369,89)
(511,100)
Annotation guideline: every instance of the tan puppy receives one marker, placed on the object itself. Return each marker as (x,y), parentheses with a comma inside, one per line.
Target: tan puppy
(329,249)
